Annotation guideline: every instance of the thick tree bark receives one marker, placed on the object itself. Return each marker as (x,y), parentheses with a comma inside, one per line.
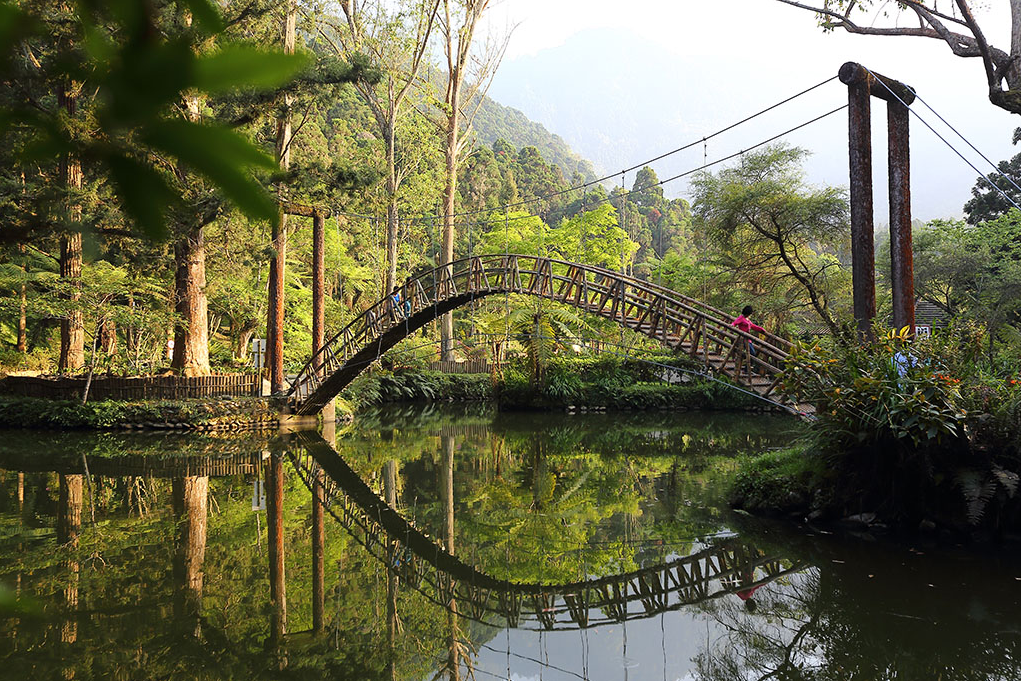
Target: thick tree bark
(72,326)
(23,319)
(449,194)
(191,332)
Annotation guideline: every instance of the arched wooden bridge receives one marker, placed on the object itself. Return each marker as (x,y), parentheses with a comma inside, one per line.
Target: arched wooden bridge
(714,572)
(678,322)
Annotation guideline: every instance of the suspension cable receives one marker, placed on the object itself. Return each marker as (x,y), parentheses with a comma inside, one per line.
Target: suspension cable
(942,138)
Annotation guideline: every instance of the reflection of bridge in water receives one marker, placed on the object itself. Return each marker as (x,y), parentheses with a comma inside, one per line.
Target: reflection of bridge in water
(141,465)
(726,568)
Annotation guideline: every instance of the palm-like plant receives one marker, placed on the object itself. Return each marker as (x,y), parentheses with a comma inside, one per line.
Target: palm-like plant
(540,326)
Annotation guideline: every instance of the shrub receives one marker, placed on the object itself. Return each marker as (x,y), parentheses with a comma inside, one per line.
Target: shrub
(914,430)
(778,482)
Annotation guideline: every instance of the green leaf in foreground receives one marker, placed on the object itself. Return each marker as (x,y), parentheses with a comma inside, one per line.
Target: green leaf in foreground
(243,66)
(224,157)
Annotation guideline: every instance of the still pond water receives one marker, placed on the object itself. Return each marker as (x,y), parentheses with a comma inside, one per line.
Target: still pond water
(462,544)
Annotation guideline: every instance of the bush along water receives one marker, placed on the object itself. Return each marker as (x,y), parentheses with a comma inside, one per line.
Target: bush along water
(619,383)
(603,382)
(920,433)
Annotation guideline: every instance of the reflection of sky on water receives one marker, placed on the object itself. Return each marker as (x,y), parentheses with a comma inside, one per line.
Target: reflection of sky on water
(658,648)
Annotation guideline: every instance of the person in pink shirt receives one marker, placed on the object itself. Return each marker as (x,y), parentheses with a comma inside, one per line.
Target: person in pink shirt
(745,324)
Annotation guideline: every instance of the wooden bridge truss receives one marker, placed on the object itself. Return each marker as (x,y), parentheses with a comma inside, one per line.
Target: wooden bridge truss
(442,578)
(678,322)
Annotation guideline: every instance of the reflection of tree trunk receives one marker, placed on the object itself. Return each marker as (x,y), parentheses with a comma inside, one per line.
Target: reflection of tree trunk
(453,646)
(21,497)
(275,530)
(190,501)
(391,623)
(69,509)
(318,550)
(390,496)
(69,627)
(69,520)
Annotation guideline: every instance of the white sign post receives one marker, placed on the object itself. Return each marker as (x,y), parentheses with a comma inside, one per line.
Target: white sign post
(258,352)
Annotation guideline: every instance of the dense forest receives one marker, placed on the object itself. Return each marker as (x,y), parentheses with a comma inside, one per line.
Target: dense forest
(161,171)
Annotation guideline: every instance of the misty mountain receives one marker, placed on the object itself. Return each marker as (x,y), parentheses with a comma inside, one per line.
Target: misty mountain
(496,121)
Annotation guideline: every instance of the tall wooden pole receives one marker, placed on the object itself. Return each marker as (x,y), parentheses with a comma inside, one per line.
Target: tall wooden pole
(319,299)
(275,314)
(863,257)
(901,256)
(862,84)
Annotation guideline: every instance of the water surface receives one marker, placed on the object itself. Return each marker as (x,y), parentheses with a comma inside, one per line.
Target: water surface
(462,543)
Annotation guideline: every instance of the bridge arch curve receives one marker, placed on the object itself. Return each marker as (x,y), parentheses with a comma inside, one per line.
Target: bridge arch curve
(680,323)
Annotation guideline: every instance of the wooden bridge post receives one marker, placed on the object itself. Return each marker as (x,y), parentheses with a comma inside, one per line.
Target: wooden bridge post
(318,301)
(901,256)
(863,257)
(861,85)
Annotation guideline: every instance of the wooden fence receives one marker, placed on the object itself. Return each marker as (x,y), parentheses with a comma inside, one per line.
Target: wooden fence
(472,366)
(146,388)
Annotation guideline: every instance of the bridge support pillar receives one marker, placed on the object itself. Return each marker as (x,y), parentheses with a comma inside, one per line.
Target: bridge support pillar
(863,84)
(319,300)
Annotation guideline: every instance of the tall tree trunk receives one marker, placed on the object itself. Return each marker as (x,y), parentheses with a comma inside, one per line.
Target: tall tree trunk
(191,332)
(23,319)
(277,268)
(392,217)
(447,245)
(190,500)
(72,326)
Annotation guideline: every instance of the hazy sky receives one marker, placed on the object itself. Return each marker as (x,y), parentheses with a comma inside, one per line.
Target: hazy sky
(777,51)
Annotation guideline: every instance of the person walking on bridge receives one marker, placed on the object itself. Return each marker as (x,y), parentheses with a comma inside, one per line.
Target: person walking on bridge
(744,323)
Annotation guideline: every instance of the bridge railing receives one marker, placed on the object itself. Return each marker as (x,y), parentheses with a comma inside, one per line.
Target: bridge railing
(678,321)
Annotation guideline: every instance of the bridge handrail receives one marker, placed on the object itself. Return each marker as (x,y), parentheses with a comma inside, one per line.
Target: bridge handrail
(360,326)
